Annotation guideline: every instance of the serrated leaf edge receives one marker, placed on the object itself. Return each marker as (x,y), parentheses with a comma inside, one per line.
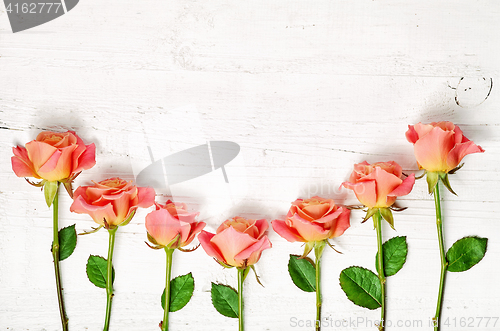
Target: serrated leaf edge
(212,299)
(313,286)
(87,273)
(380,304)
(475,237)
(191,274)
(406,244)
(76,241)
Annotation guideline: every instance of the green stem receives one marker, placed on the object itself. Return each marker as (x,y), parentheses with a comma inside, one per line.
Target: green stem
(377,219)
(318,252)
(170,252)
(55,255)
(241,278)
(109,277)
(444,263)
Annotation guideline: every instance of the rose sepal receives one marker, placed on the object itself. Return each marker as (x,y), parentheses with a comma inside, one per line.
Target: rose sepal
(39,184)
(446,182)
(127,221)
(94,230)
(387,215)
(68,184)
(223,264)
(50,191)
(433,177)
(308,247)
(369,213)
(432,180)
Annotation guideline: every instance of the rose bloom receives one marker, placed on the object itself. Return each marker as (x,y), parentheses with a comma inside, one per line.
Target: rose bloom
(238,242)
(171,222)
(53,156)
(113,201)
(314,219)
(378,184)
(439,147)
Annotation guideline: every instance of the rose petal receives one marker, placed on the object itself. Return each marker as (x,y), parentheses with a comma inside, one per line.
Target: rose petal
(432,149)
(308,230)
(330,217)
(287,233)
(423,129)
(315,211)
(21,164)
(262,227)
(98,213)
(230,243)
(385,184)
(460,151)
(195,229)
(146,197)
(58,166)
(343,222)
(163,227)
(205,239)
(39,153)
(405,187)
(253,252)
(365,192)
(188,217)
(86,160)
(411,134)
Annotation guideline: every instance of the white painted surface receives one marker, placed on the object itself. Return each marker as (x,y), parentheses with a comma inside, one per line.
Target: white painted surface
(307,89)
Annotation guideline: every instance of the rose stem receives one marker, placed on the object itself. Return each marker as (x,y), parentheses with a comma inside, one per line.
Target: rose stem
(444,263)
(377,218)
(109,277)
(55,255)
(241,276)
(318,251)
(170,252)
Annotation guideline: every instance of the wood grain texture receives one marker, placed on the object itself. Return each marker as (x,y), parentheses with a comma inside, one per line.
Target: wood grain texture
(307,90)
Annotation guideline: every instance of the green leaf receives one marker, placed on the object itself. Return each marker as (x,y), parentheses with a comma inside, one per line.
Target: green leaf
(362,287)
(465,253)
(67,242)
(97,271)
(181,291)
(394,252)
(303,273)
(225,300)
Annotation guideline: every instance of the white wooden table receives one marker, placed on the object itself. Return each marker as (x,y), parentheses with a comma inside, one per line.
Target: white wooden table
(306,89)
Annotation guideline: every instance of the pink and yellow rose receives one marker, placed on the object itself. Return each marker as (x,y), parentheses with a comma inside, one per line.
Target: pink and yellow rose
(172,226)
(313,219)
(238,242)
(378,185)
(441,146)
(111,202)
(53,156)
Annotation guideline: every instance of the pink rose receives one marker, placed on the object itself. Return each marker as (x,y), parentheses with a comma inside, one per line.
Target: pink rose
(314,219)
(172,226)
(439,147)
(238,242)
(377,185)
(53,157)
(111,202)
